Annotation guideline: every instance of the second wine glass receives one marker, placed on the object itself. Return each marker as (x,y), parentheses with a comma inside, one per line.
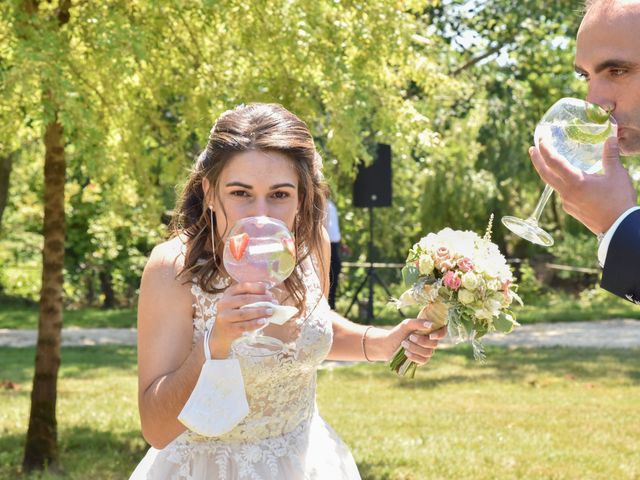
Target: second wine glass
(576,130)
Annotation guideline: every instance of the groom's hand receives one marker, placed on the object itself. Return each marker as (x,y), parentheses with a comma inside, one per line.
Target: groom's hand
(417,338)
(596,200)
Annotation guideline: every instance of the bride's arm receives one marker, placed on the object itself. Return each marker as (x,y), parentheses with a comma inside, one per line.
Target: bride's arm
(168,366)
(379,343)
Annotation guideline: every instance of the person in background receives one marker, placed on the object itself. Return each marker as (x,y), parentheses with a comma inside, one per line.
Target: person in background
(335,266)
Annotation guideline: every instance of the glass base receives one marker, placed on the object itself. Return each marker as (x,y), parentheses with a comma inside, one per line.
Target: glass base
(529,230)
(258,345)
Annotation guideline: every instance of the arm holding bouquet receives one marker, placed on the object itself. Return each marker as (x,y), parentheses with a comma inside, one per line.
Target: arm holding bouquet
(352,341)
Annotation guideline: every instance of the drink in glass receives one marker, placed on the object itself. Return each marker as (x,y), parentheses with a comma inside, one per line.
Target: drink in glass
(260,249)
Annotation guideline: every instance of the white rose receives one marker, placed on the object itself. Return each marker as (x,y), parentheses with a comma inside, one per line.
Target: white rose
(406,299)
(470,281)
(465,296)
(425,265)
(483,313)
(494,285)
(492,305)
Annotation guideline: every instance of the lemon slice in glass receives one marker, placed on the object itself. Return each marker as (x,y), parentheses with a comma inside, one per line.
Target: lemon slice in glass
(589,133)
(597,114)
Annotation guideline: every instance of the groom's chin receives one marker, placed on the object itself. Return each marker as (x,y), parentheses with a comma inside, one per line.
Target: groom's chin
(629,143)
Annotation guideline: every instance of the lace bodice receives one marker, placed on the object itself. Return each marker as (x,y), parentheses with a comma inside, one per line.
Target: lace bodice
(283,436)
(280,388)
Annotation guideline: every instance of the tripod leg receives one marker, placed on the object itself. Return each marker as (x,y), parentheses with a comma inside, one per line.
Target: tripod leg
(375,275)
(355,295)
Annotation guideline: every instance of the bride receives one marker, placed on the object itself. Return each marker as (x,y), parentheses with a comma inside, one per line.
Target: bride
(260,160)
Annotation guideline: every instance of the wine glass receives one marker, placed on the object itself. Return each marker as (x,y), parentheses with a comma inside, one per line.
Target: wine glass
(261,249)
(577,130)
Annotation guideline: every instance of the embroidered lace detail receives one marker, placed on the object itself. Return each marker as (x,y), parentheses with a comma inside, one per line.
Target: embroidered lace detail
(280,389)
(246,458)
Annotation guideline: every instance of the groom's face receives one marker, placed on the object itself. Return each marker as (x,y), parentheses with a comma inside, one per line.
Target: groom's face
(608,58)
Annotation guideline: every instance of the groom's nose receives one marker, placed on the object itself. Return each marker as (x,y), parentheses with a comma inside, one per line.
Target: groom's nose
(601,94)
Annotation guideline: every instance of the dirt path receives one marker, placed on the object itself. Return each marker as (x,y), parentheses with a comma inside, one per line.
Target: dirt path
(617,333)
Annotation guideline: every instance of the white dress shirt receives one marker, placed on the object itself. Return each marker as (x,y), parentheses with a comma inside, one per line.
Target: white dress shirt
(331,222)
(606,240)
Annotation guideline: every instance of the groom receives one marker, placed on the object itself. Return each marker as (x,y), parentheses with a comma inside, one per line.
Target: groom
(608,58)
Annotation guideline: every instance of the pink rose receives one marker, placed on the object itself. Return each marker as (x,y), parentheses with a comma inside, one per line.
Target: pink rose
(445,265)
(443,261)
(452,280)
(465,264)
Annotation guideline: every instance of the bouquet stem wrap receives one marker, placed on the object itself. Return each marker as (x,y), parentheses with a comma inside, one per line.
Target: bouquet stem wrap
(437,313)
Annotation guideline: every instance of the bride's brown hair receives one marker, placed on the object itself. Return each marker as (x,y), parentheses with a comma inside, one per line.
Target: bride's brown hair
(263,127)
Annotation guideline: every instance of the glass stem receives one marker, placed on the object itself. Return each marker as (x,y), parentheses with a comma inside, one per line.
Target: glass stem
(535,216)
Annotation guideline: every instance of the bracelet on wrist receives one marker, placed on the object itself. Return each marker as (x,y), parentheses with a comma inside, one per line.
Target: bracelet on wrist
(364,338)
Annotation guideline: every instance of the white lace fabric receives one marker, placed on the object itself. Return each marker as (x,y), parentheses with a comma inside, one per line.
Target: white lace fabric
(281,435)
(280,388)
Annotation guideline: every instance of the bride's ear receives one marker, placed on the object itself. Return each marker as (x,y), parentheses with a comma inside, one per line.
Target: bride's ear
(205,188)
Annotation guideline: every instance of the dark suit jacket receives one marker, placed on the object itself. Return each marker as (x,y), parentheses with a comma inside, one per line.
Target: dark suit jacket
(621,273)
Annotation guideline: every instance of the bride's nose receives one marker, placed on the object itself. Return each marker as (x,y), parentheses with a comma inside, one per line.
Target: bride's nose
(260,208)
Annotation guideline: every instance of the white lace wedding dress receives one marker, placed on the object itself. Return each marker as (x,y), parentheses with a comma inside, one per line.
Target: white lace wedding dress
(283,437)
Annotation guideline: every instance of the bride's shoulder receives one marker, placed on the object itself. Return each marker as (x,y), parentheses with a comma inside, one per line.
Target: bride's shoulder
(168,256)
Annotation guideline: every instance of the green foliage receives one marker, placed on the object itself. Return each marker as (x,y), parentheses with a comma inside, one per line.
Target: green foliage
(455,87)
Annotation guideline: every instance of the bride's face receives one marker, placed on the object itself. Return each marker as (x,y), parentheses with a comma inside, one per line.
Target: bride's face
(255,183)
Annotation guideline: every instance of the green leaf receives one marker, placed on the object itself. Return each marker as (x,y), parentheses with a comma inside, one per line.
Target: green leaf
(410,275)
(504,323)
(481,330)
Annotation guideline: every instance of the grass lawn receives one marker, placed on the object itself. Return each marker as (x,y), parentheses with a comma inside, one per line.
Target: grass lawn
(17,316)
(553,413)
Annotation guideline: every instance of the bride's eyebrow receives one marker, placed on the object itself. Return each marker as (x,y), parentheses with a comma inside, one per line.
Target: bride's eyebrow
(238,184)
(249,187)
(282,185)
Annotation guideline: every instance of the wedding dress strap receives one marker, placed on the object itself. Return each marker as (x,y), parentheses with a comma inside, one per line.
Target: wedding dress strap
(207,352)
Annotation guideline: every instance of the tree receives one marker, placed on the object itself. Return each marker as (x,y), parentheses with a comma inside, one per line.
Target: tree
(60,82)
(41,444)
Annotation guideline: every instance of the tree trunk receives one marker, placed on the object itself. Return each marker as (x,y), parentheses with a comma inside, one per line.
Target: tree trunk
(107,290)
(6,163)
(91,294)
(41,449)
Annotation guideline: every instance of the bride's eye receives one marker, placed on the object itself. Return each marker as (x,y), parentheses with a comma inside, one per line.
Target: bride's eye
(281,195)
(239,193)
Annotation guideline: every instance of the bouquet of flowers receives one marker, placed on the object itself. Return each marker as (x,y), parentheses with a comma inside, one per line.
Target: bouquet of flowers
(461,280)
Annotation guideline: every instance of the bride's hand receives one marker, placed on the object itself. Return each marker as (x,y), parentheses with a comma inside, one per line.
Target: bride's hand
(417,338)
(232,320)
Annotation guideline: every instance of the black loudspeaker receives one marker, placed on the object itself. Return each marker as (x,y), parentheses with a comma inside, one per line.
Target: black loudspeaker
(372,187)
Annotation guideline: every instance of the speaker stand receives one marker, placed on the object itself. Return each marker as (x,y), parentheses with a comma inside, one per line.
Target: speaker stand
(370,278)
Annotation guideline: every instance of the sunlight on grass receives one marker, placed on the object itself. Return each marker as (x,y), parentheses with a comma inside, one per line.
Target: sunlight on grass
(517,416)
(26,317)
(542,413)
